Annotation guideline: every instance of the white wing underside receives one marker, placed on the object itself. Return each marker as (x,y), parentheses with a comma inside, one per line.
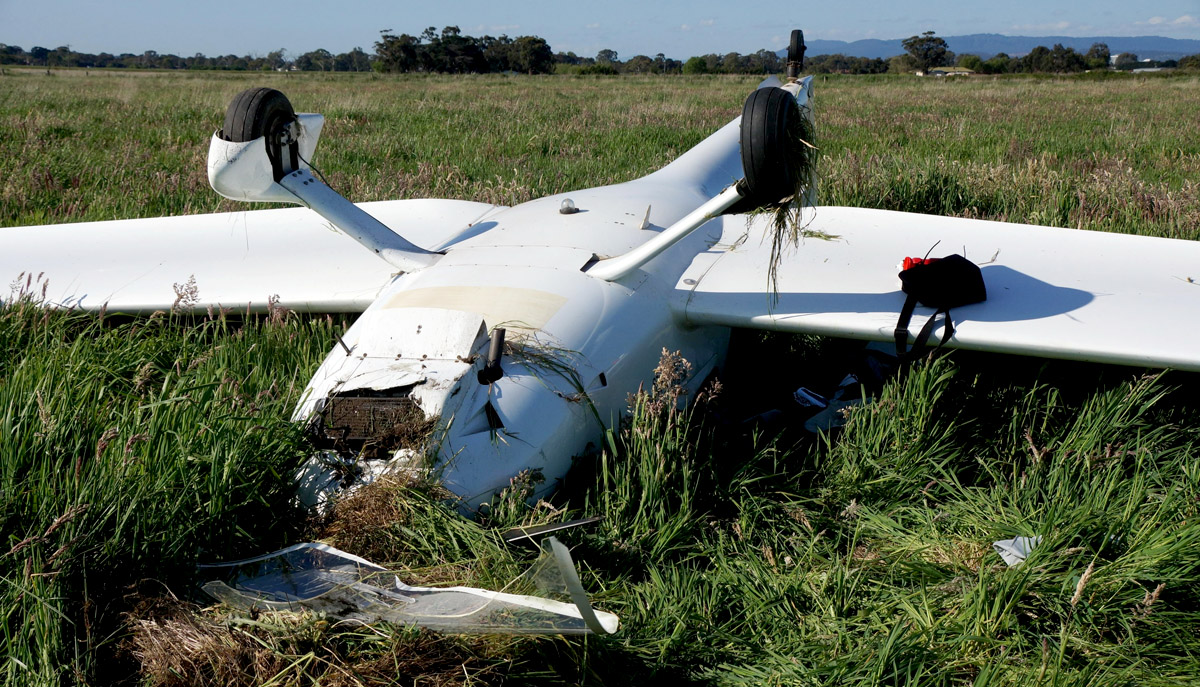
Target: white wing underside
(237,260)
(1058,293)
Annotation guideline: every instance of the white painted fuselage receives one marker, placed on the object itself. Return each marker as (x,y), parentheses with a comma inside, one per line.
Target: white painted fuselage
(578,345)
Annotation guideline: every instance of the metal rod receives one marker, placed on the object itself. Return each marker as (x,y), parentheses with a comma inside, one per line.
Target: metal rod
(613,269)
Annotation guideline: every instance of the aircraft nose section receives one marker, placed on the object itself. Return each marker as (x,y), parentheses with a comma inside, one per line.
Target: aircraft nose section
(525,421)
(411,390)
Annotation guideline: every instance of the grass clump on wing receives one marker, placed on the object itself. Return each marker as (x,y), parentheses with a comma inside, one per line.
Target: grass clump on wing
(786,214)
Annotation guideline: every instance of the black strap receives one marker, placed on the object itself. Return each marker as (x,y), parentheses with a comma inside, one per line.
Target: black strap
(901,331)
(922,340)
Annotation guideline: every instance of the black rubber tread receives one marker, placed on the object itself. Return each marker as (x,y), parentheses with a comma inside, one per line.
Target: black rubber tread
(796,46)
(255,112)
(765,159)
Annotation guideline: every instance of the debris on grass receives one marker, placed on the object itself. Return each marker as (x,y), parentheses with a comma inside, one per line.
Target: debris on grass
(1014,551)
(346,588)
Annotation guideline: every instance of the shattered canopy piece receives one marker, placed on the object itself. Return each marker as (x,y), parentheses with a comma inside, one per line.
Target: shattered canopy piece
(323,579)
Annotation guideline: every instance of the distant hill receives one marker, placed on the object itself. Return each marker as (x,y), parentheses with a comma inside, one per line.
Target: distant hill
(987,44)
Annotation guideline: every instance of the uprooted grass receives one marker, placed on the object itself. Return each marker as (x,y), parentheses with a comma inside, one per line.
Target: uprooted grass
(787,225)
(175,645)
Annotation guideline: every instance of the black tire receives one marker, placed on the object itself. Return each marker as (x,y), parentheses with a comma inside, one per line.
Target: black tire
(256,112)
(766,151)
(796,47)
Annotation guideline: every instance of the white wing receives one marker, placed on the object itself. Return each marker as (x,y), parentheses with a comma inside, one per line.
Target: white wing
(1058,293)
(236,259)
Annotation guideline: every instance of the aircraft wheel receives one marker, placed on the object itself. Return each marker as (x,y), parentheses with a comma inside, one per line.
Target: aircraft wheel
(767,159)
(796,47)
(256,112)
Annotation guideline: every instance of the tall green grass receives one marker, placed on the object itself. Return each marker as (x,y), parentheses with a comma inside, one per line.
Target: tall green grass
(129,452)
(867,559)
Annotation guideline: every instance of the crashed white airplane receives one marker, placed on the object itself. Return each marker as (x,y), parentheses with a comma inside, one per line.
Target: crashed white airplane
(588,286)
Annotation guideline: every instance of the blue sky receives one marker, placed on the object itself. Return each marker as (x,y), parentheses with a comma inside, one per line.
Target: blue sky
(678,29)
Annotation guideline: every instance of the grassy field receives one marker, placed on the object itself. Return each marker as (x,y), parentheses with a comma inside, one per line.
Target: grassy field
(131,449)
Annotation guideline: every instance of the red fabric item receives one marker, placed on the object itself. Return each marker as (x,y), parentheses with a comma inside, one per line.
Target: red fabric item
(909,263)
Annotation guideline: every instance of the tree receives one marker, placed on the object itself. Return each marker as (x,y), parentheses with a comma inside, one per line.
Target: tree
(928,51)
(639,64)
(532,55)
(455,53)
(901,64)
(606,56)
(1098,56)
(731,63)
(1066,60)
(499,53)
(11,54)
(357,60)
(599,69)
(695,65)
(276,59)
(972,62)
(318,60)
(1038,60)
(1189,62)
(397,53)
(1000,63)
(770,61)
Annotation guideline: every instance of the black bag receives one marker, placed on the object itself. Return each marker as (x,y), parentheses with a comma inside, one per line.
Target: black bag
(940,284)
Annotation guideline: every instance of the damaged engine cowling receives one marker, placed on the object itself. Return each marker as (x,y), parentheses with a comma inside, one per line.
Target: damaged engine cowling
(380,396)
(371,424)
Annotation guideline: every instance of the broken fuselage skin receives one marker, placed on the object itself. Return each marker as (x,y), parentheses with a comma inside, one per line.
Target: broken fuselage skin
(577,345)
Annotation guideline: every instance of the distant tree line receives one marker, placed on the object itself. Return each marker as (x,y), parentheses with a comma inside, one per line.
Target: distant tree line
(928,51)
(355,60)
(1061,60)
(761,62)
(607,62)
(450,51)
